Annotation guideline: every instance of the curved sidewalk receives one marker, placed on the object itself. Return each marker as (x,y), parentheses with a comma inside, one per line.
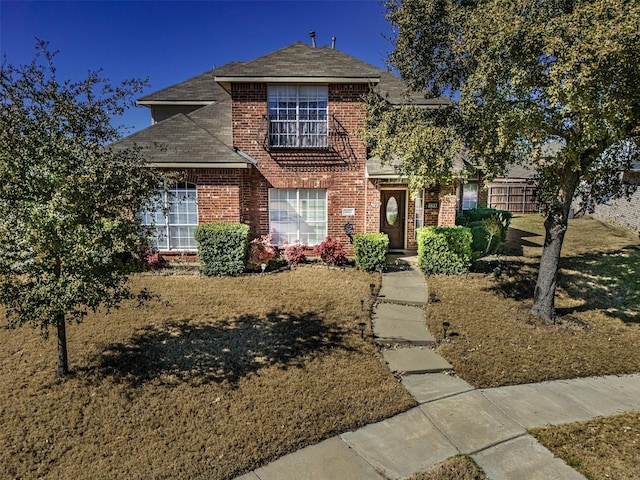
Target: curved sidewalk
(452,417)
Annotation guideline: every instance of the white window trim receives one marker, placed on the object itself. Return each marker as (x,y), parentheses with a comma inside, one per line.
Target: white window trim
(322,138)
(166,226)
(475,200)
(324,221)
(418,221)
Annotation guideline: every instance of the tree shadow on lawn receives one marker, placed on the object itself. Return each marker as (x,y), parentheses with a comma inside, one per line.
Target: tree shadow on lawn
(225,350)
(516,240)
(604,281)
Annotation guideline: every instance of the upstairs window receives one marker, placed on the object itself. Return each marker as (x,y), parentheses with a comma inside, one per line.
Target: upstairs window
(298,116)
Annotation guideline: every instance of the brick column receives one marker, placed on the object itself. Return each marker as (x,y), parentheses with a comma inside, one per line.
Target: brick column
(447,213)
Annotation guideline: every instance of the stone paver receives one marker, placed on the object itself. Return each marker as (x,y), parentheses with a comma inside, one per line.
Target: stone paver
(471,421)
(406,287)
(535,405)
(400,324)
(415,360)
(434,386)
(523,458)
(401,445)
(327,460)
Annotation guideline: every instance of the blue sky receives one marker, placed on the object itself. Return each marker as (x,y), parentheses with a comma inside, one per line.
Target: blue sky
(170,41)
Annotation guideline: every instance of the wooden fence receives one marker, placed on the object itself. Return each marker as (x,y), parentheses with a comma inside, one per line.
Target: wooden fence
(513,197)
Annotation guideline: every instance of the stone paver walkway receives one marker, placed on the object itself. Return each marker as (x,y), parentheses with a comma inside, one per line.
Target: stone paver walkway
(452,417)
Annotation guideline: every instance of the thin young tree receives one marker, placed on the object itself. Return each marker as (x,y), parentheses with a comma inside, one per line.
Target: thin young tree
(68,203)
(551,84)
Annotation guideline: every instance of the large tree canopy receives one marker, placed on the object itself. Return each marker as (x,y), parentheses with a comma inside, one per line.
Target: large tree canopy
(526,76)
(67,202)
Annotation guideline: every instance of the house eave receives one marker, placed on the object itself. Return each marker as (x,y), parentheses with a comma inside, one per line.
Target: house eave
(385,176)
(198,165)
(295,79)
(149,103)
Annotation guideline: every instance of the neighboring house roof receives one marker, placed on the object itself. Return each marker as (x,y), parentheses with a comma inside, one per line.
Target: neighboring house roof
(200,139)
(394,89)
(517,172)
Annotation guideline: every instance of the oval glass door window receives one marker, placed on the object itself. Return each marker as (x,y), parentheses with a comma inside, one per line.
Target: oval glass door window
(392,211)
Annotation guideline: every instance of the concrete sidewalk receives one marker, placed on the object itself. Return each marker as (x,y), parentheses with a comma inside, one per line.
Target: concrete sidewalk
(452,417)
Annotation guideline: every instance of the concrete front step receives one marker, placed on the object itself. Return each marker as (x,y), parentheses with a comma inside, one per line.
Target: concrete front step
(415,360)
(400,324)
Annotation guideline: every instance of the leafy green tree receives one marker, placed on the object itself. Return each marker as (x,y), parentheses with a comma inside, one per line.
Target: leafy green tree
(67,201)
(551,84)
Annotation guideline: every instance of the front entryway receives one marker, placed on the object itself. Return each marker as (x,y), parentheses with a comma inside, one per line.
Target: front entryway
(392,217)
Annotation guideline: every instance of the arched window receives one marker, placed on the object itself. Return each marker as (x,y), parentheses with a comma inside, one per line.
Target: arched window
(174,214)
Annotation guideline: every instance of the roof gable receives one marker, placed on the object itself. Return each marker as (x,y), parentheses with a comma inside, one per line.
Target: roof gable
(201,138)
(303,61)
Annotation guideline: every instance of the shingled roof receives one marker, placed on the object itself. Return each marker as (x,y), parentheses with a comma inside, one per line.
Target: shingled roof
(201,138)
(297,60)
(202,88)
(300,60)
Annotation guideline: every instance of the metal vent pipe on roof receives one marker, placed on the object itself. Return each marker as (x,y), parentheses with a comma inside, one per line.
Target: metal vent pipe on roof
(333,42)
(313,38)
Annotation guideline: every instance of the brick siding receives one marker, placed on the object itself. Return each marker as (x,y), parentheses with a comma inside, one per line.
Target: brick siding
(339,170)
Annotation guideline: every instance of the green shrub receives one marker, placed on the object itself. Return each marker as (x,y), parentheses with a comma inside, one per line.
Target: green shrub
(222,247)
(488,226)
(444,249)
(370,250)
(487,236)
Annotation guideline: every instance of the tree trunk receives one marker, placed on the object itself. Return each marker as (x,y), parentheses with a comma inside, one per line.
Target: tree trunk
(63,362)
(544,296)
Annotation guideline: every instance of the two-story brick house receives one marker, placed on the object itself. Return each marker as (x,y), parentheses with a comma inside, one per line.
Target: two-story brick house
(273,143)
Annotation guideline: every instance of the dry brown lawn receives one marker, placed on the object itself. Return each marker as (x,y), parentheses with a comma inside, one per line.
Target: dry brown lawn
(225,375)
(455,468)
(494,341)
(599,449)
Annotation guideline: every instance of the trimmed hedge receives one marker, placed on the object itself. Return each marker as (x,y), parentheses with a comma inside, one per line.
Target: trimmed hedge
(444,249)
(488,226)
(222,247)
(370,251)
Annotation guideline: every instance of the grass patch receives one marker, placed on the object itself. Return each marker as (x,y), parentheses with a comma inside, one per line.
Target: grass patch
(494,341)
(455,468)
(600,448)
(225,375)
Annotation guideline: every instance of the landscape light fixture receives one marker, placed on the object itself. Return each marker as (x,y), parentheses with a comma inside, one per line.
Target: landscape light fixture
(263,266)
(372,287)
(445,327)
(361,326)
(362,304)
(432,297)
